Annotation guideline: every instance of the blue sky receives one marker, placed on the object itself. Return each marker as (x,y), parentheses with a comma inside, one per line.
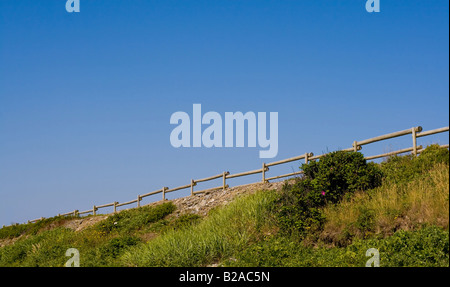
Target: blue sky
(86,98)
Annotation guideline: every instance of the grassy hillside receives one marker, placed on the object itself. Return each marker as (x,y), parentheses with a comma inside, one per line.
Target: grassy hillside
(341,208)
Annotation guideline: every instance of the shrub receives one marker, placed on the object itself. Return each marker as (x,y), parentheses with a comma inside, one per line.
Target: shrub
(325,181)
(13,230)
(116,246)
(403,169)
(432,155)
(341,172)
(365,222)
(137,218)
(298,209)
(44,249)
(425,247)
(32,228)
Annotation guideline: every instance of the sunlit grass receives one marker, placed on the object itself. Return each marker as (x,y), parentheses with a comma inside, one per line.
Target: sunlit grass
(223,233)
(391,207)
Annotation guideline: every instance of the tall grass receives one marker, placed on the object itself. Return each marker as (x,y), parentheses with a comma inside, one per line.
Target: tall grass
(393,206)
(223,233)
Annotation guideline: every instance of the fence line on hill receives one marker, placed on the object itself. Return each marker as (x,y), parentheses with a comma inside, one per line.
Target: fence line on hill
(416,132)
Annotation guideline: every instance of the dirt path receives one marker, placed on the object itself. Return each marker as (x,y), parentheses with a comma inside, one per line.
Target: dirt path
(201,204)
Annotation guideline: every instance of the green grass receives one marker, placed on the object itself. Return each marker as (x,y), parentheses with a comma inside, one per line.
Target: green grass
(224,232)
(99,245)
(423,248)
(132,220)
(406,219)
(404,169)
(32,228)
(245,232)
(394,206)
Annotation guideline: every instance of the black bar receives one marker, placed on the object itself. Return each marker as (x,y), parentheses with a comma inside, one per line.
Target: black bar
(226,276)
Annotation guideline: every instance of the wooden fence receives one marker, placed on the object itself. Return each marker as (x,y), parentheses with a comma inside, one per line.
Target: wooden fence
(416,132)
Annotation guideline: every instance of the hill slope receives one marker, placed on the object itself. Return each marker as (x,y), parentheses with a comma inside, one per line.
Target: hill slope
(315,221)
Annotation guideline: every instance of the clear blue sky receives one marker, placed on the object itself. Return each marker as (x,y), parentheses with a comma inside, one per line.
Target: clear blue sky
(86,98)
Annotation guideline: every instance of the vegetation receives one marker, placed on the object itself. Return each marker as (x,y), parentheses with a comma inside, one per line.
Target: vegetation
(223,233)
(132,220)
(338,174)
(330,217)
(100,245)
(16,230)
(403,169)
(426,247)
(381,212)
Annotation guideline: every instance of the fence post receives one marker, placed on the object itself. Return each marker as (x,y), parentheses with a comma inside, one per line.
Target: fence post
(115,206)
(75,212)
(94,210)
(139,201)
(355,146)
(264,172)
(192,186)
(164,193)
(414,138)
(306,158)
(225,173)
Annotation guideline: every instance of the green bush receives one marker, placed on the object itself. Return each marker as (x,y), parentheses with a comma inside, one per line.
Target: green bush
(432,155)
(426,247)
(365,222)
(32,228)
(13,230)
(44,249)
(114,247)
(340,172)
(299,207)
(403,169)
(134,219)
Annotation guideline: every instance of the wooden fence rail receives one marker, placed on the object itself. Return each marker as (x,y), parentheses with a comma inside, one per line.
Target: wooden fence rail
(416,132)
(391,153)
